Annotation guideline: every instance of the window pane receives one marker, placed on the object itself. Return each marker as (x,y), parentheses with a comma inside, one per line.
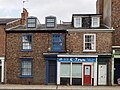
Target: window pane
(57,42)
(26,68)
(50,20)
(77,21)
(27,41)
(65,70)
(89,42)
(31,20)
(50,24)
(31,25)
(77,70)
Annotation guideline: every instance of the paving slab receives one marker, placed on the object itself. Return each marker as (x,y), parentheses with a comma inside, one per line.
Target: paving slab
(55,87)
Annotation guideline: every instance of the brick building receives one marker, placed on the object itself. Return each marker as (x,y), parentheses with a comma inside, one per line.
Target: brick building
(75,53)
(4,24)
(110,10)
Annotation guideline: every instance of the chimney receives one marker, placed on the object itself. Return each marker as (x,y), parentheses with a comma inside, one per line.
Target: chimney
(99,8)
(24,16)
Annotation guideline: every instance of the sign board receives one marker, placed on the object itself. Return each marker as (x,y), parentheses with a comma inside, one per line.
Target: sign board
(76,59)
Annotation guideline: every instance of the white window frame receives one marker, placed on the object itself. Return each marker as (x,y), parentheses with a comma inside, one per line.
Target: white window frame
(75,22)
(87,50)
(97,22)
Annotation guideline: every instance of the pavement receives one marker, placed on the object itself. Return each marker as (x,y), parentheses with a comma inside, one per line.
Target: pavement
(55,87)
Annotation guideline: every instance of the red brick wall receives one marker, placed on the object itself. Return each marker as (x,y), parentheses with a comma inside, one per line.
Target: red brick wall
(2,40)
(103,42)
(99,8)
(115,18)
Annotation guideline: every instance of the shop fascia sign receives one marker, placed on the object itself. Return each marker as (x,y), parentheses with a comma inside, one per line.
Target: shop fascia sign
(76,59)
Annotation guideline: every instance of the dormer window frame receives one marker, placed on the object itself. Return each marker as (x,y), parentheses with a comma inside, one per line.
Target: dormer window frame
(50,22)
(77,22)
(95,21)
(31,24)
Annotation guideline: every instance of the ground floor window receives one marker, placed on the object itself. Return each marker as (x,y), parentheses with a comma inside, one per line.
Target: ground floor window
(71,72)
(26,67)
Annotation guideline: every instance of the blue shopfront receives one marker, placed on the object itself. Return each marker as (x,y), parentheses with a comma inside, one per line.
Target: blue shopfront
(77,69)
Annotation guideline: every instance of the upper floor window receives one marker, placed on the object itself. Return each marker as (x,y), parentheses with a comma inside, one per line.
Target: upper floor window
(86,22)
(50,21)
(31,22)
(26,67)
(26,42)
(95,21)
(77,22)
(89,42)
(58,42)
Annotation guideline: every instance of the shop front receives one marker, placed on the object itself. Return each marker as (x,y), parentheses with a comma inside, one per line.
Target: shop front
(77,69)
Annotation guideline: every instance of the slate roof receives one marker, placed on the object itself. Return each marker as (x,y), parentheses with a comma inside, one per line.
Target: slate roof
(7,20)
(42,27)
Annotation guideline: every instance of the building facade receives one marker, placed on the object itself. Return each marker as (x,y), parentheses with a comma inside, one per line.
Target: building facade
(4,24)
(111,17)
(74,53)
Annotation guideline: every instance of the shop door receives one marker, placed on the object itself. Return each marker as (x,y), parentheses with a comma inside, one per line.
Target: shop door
(116,73)
(0,72)
(87,75)
(102,75)
(52,72)
(116,70)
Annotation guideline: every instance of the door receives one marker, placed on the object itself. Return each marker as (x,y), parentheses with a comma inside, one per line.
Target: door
(52,72)
(116,70)
(87,75)
(102,75)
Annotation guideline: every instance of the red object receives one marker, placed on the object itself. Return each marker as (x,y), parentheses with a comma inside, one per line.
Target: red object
(87,75)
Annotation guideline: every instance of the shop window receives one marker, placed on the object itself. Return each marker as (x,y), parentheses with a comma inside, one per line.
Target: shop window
(26,42)
(26,67)
(89,42)
(70,72)
(57,43)
(65,70)
(76,70)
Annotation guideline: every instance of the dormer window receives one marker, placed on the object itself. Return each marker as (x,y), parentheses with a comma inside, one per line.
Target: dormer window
(95,22)
(86,20)
(77,22)
(31,22)
(50,21)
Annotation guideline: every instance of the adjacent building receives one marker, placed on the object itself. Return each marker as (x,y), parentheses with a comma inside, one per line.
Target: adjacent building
(110,10)
(4,24)
(72,53)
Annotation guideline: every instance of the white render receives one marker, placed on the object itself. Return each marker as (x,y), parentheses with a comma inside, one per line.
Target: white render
(2,65)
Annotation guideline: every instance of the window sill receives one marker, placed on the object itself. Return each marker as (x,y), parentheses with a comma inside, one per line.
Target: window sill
(26,76)
(89,50)
(25,50)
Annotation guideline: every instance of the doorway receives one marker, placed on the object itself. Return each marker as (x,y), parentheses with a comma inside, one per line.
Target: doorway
(87,75)
(52,72)
(116,70)
(102,74)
